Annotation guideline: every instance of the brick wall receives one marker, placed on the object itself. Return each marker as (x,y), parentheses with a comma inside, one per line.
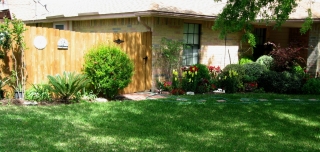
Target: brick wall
(313,51)
(213,51)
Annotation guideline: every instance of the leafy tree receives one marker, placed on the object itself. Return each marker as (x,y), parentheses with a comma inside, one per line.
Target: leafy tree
(238,15)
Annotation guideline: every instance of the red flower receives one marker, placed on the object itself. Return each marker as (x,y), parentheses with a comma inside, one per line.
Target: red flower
(167,83)
(193,69)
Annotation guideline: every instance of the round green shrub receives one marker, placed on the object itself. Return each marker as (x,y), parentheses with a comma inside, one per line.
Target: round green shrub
(108,68)
(312,86)
(254,70)
(236,67)
(266,60)
(245,60)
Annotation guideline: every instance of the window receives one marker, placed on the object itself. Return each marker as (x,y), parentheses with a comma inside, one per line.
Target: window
(260,49)
(191,37)
(60,26)
(260,34)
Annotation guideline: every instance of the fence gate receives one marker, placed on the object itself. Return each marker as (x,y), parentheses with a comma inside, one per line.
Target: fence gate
(138,47)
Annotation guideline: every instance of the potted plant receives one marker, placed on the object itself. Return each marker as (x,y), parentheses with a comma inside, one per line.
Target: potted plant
(18,91)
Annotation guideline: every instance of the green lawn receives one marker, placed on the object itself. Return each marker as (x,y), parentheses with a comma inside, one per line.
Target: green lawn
(178,123)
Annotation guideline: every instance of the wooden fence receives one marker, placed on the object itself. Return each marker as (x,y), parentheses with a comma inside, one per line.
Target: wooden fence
(51,60)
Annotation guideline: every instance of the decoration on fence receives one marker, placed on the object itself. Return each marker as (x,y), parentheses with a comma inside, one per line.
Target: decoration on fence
(40,42)
(63,44)
(118,41)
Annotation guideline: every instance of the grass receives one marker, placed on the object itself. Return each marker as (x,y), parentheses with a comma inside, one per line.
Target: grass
(178,123)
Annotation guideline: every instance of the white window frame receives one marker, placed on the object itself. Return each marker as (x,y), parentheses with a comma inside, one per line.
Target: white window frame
(191,52)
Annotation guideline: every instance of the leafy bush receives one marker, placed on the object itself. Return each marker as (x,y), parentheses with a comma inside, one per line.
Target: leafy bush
(235,67)
(312,86)
(39,93)
(265,60)
(298,70)
(254,70)
(245,60)
(235,76)
(196,78)
(67,86)
(164,86)
(108,68)
(281,82)
(177,91)
(231,82)
(87,95)
(286,58)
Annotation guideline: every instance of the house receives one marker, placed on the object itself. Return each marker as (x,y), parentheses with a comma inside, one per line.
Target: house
(187,20)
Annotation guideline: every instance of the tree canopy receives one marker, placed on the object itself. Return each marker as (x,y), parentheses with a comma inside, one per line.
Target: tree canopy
(239,15)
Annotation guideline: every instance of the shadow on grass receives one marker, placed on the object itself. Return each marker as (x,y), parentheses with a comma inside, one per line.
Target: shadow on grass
(161,126)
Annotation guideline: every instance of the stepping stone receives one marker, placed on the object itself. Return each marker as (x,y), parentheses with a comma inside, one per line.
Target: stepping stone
(244,99)
(182,99)
(313,100)
(278,99)
(221,100)
(201,100)
(295,99)
(262,99)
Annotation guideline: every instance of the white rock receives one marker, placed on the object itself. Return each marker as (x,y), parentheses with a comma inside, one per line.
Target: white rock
(190,93)
(101,100)
(28,103)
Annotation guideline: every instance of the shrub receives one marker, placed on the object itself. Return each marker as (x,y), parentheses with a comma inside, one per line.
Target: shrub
(235,67)
(235,77)
(196,78)
(286,58)
(108,68)
(165,85)
(231,82)
(67,86)
(312,86)
(245,60)
(177,91)
(297,69)
(39,93)
(280,82)
(265,60)
(254,70)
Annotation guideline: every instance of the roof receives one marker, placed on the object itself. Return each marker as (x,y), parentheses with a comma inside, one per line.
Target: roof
(55,10)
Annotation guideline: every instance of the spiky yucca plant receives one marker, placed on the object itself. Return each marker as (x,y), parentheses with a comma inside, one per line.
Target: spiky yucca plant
(67,86)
